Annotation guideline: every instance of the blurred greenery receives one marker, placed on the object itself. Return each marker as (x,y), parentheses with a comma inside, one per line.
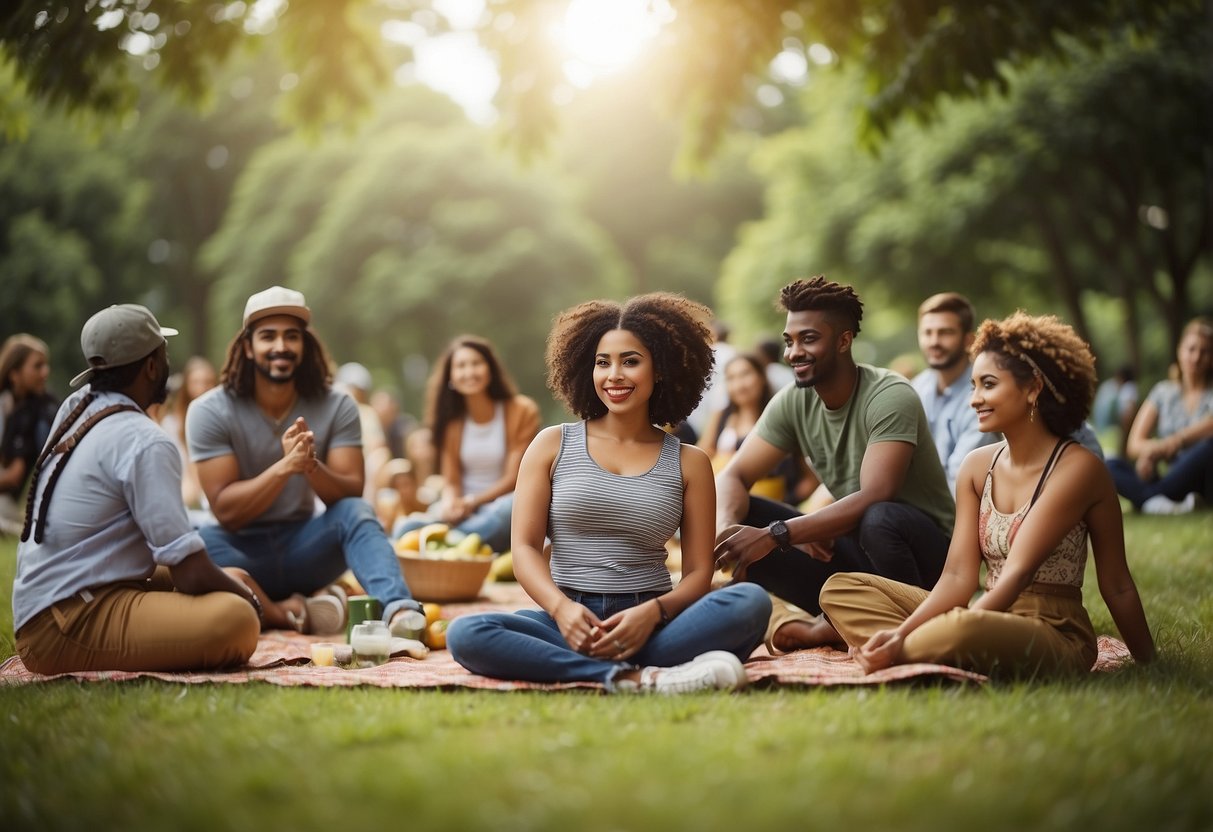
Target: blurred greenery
(186,166)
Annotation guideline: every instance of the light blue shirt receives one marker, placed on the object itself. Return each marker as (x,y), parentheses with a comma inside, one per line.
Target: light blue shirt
(116,512)
(952,419)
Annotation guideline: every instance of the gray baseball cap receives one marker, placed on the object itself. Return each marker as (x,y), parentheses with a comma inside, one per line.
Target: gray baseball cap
(117,336)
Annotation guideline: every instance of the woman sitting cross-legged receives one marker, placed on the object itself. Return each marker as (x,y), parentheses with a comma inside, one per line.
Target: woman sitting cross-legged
(1025,507)
(610,491)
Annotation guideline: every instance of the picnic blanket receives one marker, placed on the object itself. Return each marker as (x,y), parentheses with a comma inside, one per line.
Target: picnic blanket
(283,658)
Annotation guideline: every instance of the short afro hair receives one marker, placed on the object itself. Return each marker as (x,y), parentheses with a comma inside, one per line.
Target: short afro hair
(840,303)
(673,329)
(1043,347)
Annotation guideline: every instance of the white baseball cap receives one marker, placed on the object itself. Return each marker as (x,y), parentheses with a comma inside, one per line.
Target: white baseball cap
(119,335)
(276,300)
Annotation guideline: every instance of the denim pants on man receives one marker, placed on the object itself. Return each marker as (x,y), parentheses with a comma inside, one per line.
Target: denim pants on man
(527,645)
(307,555)
(894,540)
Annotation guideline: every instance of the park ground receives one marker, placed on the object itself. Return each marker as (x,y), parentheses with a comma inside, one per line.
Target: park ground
(1127,750)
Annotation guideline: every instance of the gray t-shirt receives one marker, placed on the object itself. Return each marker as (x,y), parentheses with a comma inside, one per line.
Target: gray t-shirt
(218,423)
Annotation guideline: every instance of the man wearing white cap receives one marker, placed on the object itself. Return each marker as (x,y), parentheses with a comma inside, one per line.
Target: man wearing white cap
(106,537)
(269,440)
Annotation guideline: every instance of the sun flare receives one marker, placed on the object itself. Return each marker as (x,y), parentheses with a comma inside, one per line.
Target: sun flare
(602,36)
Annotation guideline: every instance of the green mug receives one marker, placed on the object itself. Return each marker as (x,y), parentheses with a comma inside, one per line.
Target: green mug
(362,608)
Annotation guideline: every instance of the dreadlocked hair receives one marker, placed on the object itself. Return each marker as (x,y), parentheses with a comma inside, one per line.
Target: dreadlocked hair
(1031,347)
(839,302)
(444,405)
(672,328)
(312,378)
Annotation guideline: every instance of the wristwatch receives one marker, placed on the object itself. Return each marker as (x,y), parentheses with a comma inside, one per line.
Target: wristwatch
(779,530)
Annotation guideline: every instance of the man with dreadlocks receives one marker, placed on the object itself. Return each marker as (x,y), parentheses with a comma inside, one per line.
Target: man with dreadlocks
(269,440)
(864,432)
(106,539)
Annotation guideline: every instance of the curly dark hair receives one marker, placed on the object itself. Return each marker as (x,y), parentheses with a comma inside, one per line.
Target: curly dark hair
(1044,347)
(312,379)
(839,302)
(672,328)
(444,405)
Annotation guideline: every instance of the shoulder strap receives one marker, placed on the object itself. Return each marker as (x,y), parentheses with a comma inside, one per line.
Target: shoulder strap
(58,445)
(1061,445)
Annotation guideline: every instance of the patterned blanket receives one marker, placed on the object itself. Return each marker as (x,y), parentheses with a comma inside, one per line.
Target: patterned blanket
(283,658)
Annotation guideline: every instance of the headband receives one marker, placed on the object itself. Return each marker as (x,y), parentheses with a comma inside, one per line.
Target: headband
(1036,371)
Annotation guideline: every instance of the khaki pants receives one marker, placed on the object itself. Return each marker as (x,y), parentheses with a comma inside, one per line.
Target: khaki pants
(140,625)
(1045,631)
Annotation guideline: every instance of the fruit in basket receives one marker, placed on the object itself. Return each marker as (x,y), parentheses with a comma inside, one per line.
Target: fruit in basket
(409,541)
(470,544)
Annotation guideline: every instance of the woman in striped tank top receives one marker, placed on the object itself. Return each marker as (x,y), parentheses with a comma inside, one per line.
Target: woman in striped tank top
(609,492)
(1025,507)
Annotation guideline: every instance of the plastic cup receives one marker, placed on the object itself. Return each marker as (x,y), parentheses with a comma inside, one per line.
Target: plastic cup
(323,655)
(372,643)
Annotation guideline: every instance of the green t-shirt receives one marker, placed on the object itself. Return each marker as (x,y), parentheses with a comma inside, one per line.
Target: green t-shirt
(883,408)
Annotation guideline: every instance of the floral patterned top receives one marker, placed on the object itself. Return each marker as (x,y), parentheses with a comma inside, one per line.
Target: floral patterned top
(996,531)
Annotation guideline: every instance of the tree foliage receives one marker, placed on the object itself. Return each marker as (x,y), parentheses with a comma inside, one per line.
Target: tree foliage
(1083,182)
(89,56)
(406,234)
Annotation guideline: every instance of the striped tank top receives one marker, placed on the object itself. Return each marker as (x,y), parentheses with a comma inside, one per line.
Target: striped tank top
(609,531)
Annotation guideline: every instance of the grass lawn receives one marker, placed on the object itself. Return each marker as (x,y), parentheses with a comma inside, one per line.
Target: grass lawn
(1130,750)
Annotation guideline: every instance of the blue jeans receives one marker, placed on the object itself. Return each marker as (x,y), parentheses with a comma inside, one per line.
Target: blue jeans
(490,521)
(894,540)
(1191,470)
(306,555)
(527,644)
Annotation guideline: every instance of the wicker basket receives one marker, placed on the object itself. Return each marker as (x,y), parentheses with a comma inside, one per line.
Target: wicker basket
(431,579)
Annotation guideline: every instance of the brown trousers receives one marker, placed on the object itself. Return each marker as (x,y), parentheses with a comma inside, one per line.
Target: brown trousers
(140,625)
(1045,631)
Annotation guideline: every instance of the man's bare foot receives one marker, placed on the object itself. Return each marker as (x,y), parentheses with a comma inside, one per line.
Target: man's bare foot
(803,635)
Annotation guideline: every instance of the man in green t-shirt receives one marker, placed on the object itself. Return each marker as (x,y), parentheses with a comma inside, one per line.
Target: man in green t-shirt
(864,433)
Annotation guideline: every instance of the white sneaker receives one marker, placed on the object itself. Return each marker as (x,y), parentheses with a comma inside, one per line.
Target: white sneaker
(1159,504)
(324,615)
(717,670)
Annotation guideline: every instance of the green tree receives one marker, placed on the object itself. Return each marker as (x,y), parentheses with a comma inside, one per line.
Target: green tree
(1049,198)
(408,233)
(72,237)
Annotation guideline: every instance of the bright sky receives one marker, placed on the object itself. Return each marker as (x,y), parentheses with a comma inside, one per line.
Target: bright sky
(595,38)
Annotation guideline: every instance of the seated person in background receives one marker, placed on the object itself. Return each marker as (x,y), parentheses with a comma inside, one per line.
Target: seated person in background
(110,576)
(1025,507)
(864,432)
(748,393)
(354,380)
(480,426)
(1174,427)
(270,440)
(945,333)
(197,377)
(1115,406)
(398,495)
(26,413)
(611,490)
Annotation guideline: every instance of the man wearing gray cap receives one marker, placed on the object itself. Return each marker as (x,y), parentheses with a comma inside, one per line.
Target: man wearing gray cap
(106,539)
(271,439)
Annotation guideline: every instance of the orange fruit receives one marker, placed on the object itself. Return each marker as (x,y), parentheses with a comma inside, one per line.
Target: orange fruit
(433,612)
(435,634)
